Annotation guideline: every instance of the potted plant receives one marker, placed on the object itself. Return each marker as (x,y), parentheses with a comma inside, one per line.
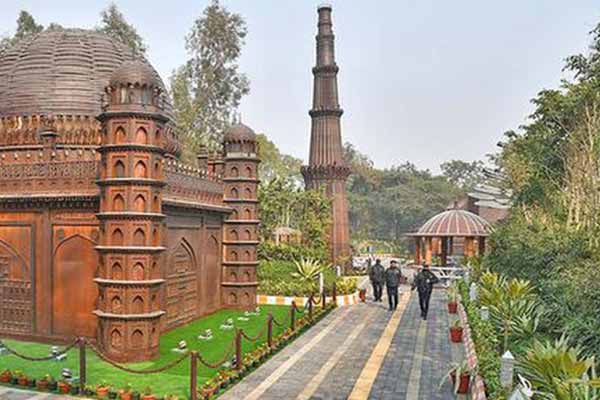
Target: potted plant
(42,384)
(102,390)
(52,385)
(452,299)
(22,379)
(64,387)
(208,390)
(125,392)
(460,376)
(147,394)
(6,376)
(456,332)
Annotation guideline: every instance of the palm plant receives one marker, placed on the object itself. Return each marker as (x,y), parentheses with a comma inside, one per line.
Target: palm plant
(308,269)
(558,371)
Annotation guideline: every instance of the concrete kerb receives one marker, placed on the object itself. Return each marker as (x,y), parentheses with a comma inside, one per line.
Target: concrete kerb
(478,386)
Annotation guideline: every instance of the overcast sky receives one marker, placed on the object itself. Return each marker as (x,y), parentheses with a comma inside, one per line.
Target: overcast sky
(421,81)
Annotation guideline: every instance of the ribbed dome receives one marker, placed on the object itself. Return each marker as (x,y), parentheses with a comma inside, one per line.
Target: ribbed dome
(135,72)
(240,133)
(455,223)
(61,72)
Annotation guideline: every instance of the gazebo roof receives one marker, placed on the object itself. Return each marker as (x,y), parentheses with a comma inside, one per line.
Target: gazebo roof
(459,223)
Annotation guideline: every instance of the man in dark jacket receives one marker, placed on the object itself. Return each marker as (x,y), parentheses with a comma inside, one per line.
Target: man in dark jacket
(392,280)
(424,282)
(376,275)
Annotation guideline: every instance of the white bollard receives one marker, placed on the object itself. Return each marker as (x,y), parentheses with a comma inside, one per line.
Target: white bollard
(473,291)
(507,369)
(484,313)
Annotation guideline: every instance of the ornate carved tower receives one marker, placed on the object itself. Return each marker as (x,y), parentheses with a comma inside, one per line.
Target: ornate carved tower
(326,168)
(241,228)
(129,277)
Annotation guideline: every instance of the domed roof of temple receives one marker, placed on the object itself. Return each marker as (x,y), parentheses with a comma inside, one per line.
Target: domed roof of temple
(135,72)
(455,222)
(63,72)
(240,133)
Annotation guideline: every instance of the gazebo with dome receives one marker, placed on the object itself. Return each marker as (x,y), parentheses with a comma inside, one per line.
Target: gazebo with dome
(451,232)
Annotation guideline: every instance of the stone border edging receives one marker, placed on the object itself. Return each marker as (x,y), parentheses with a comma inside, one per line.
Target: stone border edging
(478,387)
(341,300)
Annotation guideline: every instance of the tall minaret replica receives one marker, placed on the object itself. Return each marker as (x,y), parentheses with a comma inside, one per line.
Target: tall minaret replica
(326,168)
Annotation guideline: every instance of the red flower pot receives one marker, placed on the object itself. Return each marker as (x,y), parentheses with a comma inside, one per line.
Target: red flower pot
(463,385)
(125,395)
(102,391)
(23,381)
(42,385)
(148,397)
(5,377)
(362,294)
(64,387)
(456,333)
(452,307)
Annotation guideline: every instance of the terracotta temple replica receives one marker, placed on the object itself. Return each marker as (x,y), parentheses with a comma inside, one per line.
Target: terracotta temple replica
(103,232)
(326,168)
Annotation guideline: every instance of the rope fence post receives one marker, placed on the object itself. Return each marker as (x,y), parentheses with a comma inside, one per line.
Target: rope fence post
(82,365)
(293,316)
(323,299)
(270,330)
(334,294)
(310,306)
(194,375)
(238,349)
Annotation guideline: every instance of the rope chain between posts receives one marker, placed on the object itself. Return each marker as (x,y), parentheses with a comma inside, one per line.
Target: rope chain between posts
(222,361)
(46,358)
(255,338)
(134,371)
(277,323)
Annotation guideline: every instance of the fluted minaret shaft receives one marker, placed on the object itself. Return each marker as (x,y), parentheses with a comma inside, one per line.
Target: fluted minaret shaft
(326,140)
(326,167)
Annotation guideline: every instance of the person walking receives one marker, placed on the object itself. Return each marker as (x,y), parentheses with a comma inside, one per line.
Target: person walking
(424,282)
(392,281)
(377,275)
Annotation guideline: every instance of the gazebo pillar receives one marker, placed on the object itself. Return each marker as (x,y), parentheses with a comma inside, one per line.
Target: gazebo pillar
(417,250)
(444,252)
(428,249)
(469,245)
(481,249)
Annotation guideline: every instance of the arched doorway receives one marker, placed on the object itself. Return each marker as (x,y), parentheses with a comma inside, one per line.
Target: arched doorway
(213,274)
(74,291)
(182,290)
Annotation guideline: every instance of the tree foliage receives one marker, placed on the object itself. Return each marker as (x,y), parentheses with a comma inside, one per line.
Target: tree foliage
(274,164)
(284,204)
(553,167)
(463,174)
(26,27)
(208,88)
(114,24)
(388,203)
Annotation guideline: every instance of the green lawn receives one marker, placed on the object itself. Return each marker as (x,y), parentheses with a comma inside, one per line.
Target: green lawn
(174,381)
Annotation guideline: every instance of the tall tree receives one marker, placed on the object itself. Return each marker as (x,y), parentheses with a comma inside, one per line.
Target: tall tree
(115,25)
(275,165)
(26,26)
(463,173)
(209,87)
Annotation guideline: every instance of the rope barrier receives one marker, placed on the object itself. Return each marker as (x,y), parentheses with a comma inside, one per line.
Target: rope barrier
(281,325)
(46,358)
(255,338)
(222,361)
(134,371)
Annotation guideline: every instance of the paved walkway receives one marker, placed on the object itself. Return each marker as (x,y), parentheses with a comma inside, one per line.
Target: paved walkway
(362,352)
(358,352)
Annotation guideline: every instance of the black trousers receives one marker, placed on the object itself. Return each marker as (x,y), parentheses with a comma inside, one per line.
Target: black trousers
(377,290)
(392,292)
(424,297)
